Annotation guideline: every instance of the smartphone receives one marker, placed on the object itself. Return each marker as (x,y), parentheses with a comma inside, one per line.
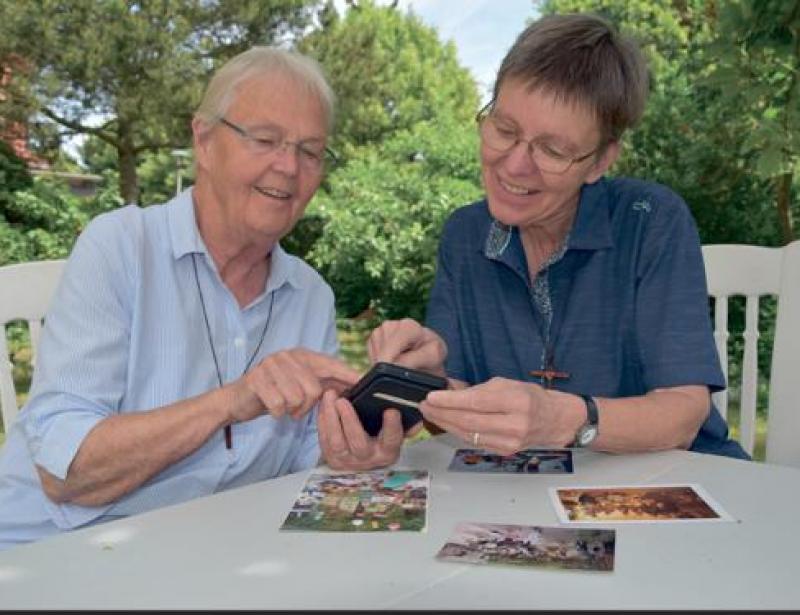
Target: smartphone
(387,385)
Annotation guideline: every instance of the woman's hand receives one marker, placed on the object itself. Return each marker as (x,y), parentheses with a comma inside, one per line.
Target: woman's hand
(408,343)
(289,382)
(344,443)
(503,415)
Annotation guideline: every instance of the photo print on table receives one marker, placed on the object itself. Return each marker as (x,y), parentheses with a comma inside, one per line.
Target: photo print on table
(531,546)
(378,501)
(636,503)
(528,461)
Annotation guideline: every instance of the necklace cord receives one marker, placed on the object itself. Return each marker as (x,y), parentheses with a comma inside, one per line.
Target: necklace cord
(228,431)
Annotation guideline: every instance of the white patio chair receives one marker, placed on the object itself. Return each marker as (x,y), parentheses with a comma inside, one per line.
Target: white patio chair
(755,271)
(25,293)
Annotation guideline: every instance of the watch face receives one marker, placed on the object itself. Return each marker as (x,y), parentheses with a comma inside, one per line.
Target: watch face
(586,435)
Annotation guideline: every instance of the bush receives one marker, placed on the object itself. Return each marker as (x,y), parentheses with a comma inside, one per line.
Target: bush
(383,214)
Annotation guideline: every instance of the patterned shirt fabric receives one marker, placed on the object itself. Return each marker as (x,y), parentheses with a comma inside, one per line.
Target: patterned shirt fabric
(125,333)
(629,302)
(540,292)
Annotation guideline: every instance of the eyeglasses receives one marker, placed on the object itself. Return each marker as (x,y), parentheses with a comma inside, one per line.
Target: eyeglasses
(503,137)
(312,155)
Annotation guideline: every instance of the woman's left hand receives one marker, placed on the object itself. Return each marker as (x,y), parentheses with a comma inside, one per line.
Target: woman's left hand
(408,343)
(344,443)
(501,415)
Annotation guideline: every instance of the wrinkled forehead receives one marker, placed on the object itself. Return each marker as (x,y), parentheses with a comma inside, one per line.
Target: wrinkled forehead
(278,98)
(284,83)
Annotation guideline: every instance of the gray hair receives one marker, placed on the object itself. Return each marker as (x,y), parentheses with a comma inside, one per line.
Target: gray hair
(581,58)
(259,62)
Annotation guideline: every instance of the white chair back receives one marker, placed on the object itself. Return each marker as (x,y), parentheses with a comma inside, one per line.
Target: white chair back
(753,272)
(25,293)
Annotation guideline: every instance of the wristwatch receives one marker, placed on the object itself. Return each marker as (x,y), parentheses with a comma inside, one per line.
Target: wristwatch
(588,431)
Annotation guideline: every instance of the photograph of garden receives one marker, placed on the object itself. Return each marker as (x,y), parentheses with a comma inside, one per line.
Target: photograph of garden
(391,501)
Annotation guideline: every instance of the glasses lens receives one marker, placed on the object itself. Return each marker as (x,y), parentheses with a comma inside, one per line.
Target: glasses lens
(548,162)
(502,139)
(496,136)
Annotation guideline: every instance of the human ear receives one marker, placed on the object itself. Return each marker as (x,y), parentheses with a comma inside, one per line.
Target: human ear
(602,164)
(200,139)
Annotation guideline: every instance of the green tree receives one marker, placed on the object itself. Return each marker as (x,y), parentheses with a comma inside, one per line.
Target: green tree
(405,131)
(384,212)
(757,72)
(686,139)
(40,222)
(389,71)
(156,170)
(140,66)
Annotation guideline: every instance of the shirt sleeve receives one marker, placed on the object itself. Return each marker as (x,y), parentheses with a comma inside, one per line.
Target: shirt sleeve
(82,362)
(676,345)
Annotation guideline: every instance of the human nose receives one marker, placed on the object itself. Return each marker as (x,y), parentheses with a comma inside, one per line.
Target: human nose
(286,157)
(520,157)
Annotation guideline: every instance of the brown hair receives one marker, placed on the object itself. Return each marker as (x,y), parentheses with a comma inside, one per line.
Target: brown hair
(582,59)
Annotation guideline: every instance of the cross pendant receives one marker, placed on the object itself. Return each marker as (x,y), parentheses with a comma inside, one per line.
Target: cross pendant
(548,375)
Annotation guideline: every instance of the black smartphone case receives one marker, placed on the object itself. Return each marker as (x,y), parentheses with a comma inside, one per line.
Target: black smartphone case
(397,381)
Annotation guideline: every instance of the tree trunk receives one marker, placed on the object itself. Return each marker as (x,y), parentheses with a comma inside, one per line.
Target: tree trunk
(126,158)
(783,188)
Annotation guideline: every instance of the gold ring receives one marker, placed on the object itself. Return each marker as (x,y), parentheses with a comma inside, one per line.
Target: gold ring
(475,437)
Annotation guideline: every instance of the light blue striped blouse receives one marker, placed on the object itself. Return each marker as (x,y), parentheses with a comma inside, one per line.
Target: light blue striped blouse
(125,333)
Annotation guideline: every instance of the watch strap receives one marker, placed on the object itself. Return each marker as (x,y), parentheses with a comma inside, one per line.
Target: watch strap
(587,432)
(592,414)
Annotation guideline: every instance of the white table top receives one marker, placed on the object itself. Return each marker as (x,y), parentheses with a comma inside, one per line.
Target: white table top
(226,551)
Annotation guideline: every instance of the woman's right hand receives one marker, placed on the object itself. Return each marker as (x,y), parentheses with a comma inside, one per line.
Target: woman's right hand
(408,343)
(289,382)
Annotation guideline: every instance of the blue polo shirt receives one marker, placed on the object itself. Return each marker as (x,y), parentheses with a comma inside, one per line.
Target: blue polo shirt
(625,307)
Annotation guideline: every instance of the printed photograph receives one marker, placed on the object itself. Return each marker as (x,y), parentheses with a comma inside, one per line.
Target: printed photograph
(526,545)
(529,461)
(636,503)
(381,501)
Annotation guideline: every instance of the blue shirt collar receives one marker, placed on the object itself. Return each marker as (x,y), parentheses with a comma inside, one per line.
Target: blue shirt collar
(590,231)
(186,239)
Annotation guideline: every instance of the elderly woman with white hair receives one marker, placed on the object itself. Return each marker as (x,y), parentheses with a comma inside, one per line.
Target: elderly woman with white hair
(185,352)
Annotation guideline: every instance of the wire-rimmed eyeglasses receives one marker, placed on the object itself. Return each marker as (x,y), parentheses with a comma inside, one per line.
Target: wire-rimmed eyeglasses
(312,154)
(503,137)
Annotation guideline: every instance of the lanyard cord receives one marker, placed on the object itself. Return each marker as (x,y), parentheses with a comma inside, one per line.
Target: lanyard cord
(228,435)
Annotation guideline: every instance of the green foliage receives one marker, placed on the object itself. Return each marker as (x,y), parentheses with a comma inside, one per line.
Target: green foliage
(14,173)
(383,217)
(43,221)
(389,71)
(758,60)
(405,110)
(141,66)
(685,139)
(353,334)
(157,171)
(757,73)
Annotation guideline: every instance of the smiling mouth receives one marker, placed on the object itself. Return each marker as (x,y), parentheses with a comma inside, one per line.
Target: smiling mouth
(273,193)
(515,189)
